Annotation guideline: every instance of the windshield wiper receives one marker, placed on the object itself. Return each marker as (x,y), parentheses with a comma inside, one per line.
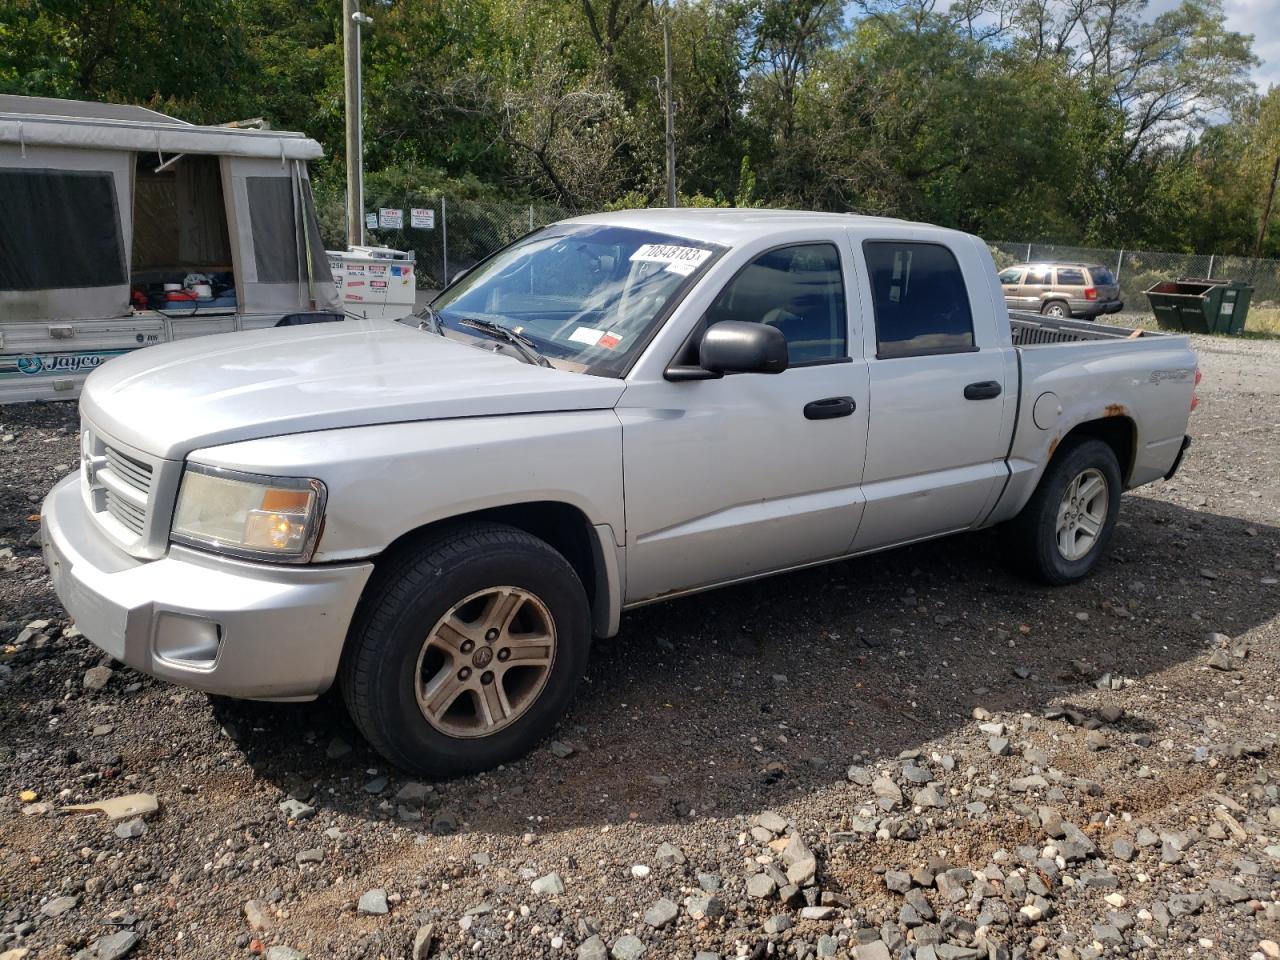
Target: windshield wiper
(522,344)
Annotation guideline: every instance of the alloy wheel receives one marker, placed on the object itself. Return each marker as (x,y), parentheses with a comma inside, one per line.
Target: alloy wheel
(1082,514)
(485,662)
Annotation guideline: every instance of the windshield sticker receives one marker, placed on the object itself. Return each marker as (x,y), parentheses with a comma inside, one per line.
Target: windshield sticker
(681,260)
(588,335)
(610,340)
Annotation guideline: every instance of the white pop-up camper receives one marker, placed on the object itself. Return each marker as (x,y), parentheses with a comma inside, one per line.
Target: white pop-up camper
(121,227)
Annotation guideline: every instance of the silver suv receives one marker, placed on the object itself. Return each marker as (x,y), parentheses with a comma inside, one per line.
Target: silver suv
(1062,289)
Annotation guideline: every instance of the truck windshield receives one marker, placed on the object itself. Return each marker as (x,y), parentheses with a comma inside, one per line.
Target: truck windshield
(589,295)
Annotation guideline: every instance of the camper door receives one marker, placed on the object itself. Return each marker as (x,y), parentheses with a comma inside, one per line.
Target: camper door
(280,263)
(66,226)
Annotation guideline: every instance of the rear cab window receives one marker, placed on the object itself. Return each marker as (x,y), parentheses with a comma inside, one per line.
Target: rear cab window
(919,298)
(1102,277)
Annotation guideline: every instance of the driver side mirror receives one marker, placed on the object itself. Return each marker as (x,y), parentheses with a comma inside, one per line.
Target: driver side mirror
(735,346)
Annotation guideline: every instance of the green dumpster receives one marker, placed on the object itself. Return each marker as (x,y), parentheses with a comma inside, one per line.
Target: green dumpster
(1197,305)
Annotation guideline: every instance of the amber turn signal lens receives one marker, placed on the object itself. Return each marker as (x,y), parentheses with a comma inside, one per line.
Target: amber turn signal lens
(284,501)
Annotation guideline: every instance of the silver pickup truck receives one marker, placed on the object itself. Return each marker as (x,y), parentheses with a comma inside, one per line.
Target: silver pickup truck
(614,410)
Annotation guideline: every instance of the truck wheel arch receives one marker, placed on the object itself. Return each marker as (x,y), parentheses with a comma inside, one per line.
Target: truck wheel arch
(561,525)
(1116,429)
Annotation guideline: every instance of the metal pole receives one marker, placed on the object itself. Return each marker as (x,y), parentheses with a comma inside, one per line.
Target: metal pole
(531,218)
(444,238)
(1209,275)
(354,121)
(671,120)
(1028,260)
(1119,263)
(1266,212)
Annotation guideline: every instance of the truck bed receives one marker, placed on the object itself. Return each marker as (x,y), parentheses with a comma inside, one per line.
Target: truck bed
(1034,330)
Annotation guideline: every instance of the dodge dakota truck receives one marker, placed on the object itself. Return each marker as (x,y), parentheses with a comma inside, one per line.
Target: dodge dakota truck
(613,410)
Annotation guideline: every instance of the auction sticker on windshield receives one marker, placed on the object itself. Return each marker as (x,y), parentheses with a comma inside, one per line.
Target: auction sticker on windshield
(677,259)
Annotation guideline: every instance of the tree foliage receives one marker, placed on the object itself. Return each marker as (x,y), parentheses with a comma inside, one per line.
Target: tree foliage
(1078,121)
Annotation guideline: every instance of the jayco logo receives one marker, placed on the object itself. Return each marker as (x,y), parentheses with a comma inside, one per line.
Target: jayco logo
(32,364)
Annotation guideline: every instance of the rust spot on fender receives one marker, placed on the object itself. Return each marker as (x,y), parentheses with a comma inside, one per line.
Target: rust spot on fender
(1115,410)
(1053,445)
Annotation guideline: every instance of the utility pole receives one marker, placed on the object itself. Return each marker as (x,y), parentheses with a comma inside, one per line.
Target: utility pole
(672,200)
(1266,211)
(352,20)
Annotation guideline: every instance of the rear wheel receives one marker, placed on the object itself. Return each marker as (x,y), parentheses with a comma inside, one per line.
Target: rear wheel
(1065,527)
(466,652)
(1057,309)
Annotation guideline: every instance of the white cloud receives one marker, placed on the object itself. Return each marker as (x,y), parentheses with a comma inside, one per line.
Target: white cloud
(1256,17)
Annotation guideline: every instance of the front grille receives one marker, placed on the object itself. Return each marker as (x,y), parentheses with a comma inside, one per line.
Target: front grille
(133,472)
(128,493)
(127,513)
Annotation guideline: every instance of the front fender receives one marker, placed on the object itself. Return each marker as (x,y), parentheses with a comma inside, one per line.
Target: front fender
(388,479)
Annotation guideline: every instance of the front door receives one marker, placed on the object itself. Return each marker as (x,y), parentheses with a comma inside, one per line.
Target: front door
(937,437)
(1011,284)
(731,478)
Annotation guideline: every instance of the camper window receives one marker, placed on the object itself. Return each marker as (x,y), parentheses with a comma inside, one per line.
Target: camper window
(59,229)
(278,234)
(275,243)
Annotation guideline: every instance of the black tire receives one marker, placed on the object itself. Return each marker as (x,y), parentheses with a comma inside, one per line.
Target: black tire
(401,607)
(1056,308)
(1034,532)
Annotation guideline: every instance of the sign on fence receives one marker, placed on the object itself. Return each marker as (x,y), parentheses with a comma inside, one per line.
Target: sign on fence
(391,218)
(422,218)
(371,221)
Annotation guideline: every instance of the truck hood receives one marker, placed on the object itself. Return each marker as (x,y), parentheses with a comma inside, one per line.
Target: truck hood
(173,398)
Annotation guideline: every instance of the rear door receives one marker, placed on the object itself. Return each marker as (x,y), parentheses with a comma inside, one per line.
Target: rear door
(1035,284)
(1104,281)
(937,435)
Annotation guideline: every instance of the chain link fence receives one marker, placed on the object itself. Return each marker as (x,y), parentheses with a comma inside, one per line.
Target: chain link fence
(446,234)
(452,234)
(1139,270)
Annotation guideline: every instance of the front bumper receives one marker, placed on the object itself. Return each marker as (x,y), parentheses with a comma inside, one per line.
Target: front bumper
(223,626)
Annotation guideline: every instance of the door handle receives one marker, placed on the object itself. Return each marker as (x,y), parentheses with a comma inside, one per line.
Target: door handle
(982,390)
(830,408)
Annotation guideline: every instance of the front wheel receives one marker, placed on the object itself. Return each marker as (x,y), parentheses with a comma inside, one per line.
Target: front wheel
(1065,527)
(466,652)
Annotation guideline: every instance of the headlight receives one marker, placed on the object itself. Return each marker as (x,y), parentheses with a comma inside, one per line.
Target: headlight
(246,515)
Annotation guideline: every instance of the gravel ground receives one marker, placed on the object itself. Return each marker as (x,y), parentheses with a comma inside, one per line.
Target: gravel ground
(913,755)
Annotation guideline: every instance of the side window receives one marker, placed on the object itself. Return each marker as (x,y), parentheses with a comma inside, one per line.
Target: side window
(1039,277)
(59,229)
(797,289)
(1011,276)
(274,227)
(920,300)
(1070,277)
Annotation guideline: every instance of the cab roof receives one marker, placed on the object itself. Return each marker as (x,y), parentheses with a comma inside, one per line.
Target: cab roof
(732,225)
